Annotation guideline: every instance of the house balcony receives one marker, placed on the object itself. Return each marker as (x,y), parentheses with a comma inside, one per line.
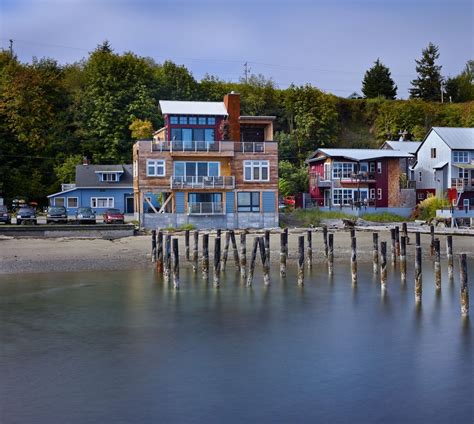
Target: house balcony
(366,177)
(206,208)
(213,148)
(208,183)
(462,184)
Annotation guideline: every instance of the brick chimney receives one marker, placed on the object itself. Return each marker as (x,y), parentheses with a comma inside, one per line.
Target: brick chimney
(232,104)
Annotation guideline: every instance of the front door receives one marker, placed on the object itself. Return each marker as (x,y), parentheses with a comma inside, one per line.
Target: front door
(129,205)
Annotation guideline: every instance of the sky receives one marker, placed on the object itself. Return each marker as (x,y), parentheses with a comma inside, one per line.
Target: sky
(328,44)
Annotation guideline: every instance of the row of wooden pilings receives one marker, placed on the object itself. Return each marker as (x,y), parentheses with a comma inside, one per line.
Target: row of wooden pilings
(164,248)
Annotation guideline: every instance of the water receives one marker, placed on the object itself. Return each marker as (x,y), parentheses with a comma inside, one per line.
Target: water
(121,347)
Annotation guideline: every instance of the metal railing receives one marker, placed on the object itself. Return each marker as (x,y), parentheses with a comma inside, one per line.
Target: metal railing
(208,146)
(203,182)
(65,187)
(250,147)
(206,208)
(461,184)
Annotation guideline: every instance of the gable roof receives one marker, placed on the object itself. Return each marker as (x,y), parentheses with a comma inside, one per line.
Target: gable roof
(402,146)
(455,138)
(86,175)
(359,154)
(174,107)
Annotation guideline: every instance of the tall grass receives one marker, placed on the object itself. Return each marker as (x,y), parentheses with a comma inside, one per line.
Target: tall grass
(315,216)
(383,217)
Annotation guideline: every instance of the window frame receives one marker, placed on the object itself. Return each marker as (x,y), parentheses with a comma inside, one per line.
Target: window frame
(174,120)
(253,165)
(251,206)
(433,152)
(58,198)
(379,167)
(72,207)
(372,193)
(211,120)
(457,154)
(345,171)
(94,202)
(155,163)
(379,194)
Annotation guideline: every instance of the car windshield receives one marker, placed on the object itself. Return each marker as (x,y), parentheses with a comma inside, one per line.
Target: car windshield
(56,210)
(3,209)
(84,210)
(114,211)
(25,209)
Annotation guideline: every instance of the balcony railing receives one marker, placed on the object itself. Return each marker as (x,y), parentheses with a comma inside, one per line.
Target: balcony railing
(250,147)
(209,146)
(65,187)
(206,208)
(462,184)
(203,182)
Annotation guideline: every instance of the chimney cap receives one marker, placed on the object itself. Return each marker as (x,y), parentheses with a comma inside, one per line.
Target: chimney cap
(234,92)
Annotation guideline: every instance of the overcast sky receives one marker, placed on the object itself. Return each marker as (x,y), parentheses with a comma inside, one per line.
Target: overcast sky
(329,44)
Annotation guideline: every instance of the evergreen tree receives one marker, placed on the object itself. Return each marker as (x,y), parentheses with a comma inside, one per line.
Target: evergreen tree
(378,82)
(428,84)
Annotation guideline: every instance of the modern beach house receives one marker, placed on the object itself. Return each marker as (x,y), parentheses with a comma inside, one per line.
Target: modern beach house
(445,166)
(208,166)
(357,179)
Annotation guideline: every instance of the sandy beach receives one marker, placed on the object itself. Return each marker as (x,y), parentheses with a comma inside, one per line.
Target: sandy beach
(30,255)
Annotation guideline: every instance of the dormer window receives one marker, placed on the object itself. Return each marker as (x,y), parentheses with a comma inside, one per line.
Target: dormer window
(108,177)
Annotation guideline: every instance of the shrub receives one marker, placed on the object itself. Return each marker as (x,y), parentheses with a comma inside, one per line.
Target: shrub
(426,209)
(185,227)
(315,216)
(383,217)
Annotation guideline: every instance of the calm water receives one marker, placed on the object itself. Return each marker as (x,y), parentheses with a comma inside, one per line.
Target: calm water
(120,347)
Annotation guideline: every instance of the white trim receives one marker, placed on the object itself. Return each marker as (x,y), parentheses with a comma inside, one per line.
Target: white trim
(64,201)
(259,164)
(110,202)
(114,187)
(379,194)
(156,163)
(72,207)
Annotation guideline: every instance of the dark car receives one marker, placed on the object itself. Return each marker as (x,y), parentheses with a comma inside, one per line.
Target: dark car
(85,215)
(26,214)
(4,217)
(56,214)
(113,216)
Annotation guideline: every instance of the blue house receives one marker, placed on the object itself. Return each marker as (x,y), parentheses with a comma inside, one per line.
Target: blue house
(98,186)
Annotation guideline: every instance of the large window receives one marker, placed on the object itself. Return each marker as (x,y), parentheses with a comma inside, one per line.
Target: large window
(461,156)
(155,168)
(345,196)
(205,197)
(102,202)
(192,134)
(72,202)
(192,120)
(256,170)
(248,201)
(196,169)
(342,169)
(59,201)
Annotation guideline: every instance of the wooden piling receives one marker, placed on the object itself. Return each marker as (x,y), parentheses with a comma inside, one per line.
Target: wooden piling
(309,250)
(205,256)
(265,264)
(195,251)
(282,255)
(354,260)
(285,230)
(243,256)
(449,254)
(235,250)
(403,259)
(432,243)
(186,245)
(437,264)
(397,241)
(393,253)
(153,245)
(217,262)
(418,275)
(159,254)
(464,285)
(253,258)
(330,253)
(267,245)
(226,250)
(325,240)
(167,259)
(418,239)
(352,233)
(405,232)
(300,278)
(383,265)
(175,264)
(375,253)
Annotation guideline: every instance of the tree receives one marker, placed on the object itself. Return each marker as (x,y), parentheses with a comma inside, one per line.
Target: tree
(141,129)
(428,84)
(66,172)
(461,87)
(378,82)
(292,179)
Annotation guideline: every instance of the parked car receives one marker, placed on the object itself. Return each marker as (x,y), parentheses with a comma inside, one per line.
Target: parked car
(289,201)
(26,214)
(85,215)
(56,214)
(113,216)
(4,217)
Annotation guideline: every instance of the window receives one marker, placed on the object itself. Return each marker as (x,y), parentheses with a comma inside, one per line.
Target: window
(72,202)
(204,197)
(364,167)
(196,169)
(202,120)
(192,134)
(420,175)
(192,120)
(342,170)
(379,167)
(433,153)
(379,193)
(345,196)
(211,120)
(108,177)
(102,202)
(372,193)
(155,168)
(421,196)
(461,156)
(59,201)
(248,201)
(256,170)
(173,120)
(463,173)
(372,167)
(183,120)
(135,168)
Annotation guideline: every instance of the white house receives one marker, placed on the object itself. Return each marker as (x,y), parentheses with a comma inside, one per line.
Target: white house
(445,165)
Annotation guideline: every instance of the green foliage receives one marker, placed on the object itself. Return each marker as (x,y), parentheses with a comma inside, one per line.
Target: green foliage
(66,172)
(461,87)
(307,217)
(185,227)
(428,84)
(292,179)
(426,209)
(141,129)
(383,217)
(378,82)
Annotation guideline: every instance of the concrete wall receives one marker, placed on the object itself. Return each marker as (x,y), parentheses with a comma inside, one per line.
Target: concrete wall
(360,212)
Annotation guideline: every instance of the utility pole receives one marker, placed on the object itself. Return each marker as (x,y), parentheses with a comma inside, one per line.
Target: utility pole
(442,92)
(11,47)
(246,72)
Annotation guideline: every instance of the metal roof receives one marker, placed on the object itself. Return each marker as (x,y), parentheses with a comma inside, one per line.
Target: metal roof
(86,176)
(456,138)
(403,146)
(361,154)
(173,107)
